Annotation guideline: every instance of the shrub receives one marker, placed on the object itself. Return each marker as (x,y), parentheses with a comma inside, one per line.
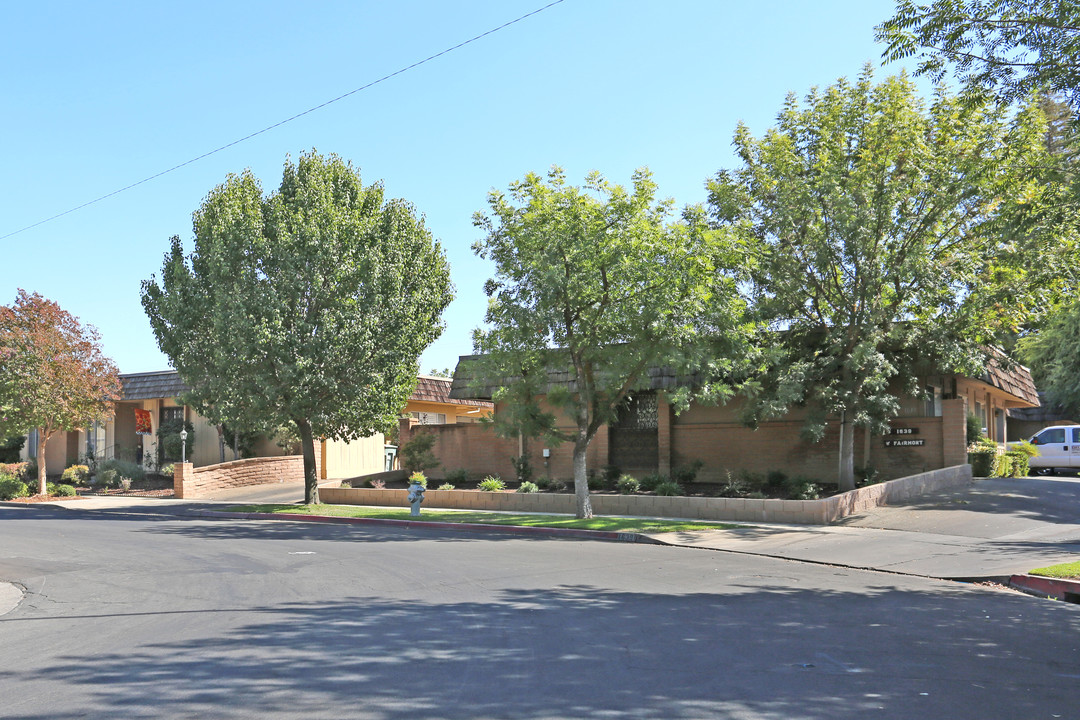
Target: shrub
(492,483)
(461,475)
(14,470)
(610,475)
(735,486)
(1024,447)
(76,475)
(9,448)
(627,484)
(974,427)
(108,478)
(649,482)
(596,482)
(776,483)
(418,477)
(377,484)
(523,469)
(416,454)
(867,476)
(167,470)
(1002,465)
(446,486)
(668,488)
(528,487)
(558,485)
(29,471)
(60,489)
(687,473)
(169,443)
(11,488)
(802,488)
(124,469)
(543,482)
(982,461)
(1018,464)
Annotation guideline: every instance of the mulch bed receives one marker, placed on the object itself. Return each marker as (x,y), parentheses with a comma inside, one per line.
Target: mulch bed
(42,499)
(689,489)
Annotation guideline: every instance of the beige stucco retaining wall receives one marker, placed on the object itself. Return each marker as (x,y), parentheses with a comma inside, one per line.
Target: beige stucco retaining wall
(804,512)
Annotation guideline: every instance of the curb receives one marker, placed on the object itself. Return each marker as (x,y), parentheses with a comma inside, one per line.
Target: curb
(1047,587)
(608,535)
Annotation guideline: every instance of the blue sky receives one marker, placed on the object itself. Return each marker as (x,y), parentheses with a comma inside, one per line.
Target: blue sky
(98,96)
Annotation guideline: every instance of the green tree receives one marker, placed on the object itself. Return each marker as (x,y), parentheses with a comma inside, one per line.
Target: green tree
(54,376)
(878,228)
(1054,357)
(306,308)
(593,285)
(1007,48)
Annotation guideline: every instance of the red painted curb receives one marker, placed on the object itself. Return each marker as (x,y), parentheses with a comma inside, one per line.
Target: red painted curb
(472,527)
(1049,587)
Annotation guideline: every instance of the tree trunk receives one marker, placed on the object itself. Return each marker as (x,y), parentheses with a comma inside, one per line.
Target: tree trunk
(42,439)
(847,454)
(581,478)
(221,441)
(311,478)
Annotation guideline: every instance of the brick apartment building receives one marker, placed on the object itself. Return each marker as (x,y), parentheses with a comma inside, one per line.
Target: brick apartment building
(649,436)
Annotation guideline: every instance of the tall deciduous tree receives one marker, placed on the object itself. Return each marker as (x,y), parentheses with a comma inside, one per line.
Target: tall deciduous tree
(597,284)
(1054,356)
(1008,48)
(53,374)
(879,229)
(308,307)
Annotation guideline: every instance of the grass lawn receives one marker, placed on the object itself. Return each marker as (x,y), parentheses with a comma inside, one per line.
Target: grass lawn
(615,524)
(1067,571)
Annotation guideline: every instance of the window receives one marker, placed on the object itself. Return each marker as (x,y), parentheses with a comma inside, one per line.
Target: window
(95,440)
(1051,435)
(429,418)
(933,400)
(172,413)
(1076,435)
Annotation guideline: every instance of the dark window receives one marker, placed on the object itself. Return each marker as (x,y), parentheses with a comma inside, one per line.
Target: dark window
(1053,435)
(172,413)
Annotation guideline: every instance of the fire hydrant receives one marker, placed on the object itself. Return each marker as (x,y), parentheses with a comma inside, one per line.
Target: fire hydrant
(416,496)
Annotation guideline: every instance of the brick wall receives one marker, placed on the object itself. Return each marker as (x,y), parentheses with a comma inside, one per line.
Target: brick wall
(192,482)
(714,436)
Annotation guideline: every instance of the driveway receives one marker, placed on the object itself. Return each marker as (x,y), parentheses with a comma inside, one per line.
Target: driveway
(990,528)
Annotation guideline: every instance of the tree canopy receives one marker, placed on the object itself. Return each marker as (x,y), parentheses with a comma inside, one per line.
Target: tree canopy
(878,229)
(53,374)
(1007,48)
(1054,356)
(307,307)
(599,283)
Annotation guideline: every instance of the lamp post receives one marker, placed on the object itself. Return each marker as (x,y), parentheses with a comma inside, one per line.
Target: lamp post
(183,446)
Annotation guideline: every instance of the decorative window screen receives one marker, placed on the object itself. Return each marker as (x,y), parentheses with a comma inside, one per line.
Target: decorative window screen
(640,414)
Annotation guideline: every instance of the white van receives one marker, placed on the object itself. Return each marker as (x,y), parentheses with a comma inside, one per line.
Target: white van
(1059,447)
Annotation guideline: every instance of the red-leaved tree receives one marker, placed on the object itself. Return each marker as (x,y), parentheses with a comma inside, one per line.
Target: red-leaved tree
(53,374)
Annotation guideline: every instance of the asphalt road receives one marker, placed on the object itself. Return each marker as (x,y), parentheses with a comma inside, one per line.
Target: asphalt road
(151,615)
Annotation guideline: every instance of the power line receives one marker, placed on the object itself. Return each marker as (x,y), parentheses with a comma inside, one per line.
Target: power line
(287,120)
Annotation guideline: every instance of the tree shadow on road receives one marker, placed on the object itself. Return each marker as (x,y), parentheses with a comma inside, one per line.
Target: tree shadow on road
(754,648)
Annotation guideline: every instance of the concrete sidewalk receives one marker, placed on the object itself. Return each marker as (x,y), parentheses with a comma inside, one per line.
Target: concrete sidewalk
(913,553)
(990,528)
